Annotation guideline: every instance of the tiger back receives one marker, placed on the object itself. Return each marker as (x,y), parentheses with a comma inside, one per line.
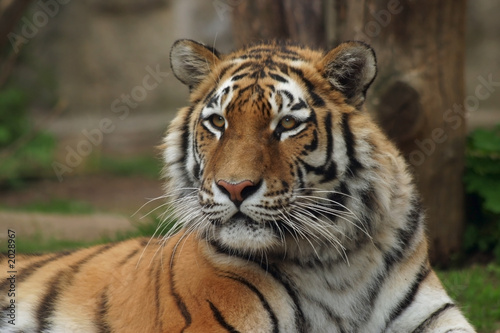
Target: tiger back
(296,214)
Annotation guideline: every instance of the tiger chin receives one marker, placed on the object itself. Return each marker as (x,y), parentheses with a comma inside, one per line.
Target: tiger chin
(296,214)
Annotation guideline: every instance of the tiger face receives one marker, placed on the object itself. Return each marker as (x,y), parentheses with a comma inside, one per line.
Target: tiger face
(258,160)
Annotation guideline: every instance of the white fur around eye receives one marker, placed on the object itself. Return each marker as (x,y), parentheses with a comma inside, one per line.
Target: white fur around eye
(207,123)
(300,115)
(286,134)
(217,108)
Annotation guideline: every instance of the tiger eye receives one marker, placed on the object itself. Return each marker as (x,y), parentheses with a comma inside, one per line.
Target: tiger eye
(288,123)
(218,121)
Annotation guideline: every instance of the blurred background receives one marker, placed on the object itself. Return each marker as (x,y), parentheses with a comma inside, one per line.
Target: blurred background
(86,93)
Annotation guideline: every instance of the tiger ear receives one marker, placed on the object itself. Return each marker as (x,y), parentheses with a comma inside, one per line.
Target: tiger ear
(192,62)
(350,68)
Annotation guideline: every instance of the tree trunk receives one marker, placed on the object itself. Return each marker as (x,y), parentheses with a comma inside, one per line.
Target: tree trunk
(10,14)
(301,21)
(418,95)
(418,98)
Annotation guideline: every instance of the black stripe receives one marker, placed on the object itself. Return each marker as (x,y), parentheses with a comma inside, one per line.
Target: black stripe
(103,308)
(238,77)
(213,101)
(196,169)
(222,249)
(145,241)
(225,91)
(281,278)
(434,316)
(317,101)
(339,197)
(299,106)
(354,165)
(368,197)
(410,295)
(220,319)
(242,67)
(208,97)
(278,78)
(263,301)
(102,322)
(405,236)
(158,275)
(61,279)
(196,172)
(330,170)
(283,67)
(178,299)
(186,133)
(393,256)
(47,304)
(300,321)
(25,273)
(300,177)
(288,95)
(128,257)
(329,136)
(259,74)
(313,145)
(223,71)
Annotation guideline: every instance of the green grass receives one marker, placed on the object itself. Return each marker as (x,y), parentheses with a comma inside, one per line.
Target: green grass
(477,290)
(37,243)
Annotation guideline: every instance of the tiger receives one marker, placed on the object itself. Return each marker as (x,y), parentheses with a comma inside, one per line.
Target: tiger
(293,213)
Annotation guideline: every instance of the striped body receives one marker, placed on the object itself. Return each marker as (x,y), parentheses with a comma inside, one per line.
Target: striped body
(198,290)
(297,214)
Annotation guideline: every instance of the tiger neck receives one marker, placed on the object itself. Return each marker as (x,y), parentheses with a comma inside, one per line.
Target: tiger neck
(316,287)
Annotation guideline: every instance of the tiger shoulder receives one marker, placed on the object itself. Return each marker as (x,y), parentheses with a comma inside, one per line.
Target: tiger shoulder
(295,214)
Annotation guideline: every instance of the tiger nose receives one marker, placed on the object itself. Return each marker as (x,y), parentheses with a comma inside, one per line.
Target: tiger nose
(239,191)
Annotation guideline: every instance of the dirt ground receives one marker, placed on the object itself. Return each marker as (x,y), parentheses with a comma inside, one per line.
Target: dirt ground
(117,202)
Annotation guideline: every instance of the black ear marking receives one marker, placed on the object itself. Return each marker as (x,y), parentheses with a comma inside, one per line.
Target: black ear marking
(192,62)
(351,68)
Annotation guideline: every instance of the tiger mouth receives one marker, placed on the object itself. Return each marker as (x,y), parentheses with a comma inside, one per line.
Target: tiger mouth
(243,234)
(276,226)
(238,217)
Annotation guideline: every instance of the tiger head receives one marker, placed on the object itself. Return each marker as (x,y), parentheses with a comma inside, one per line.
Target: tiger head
(264,158)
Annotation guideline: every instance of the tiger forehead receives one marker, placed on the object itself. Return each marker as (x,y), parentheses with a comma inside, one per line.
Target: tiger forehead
(276,51)
(264,92)
(266,61)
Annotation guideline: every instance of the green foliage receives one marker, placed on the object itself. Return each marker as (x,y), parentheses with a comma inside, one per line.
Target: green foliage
(477,290)
(482,181)
(23,154)
(13,122)
(37,243)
